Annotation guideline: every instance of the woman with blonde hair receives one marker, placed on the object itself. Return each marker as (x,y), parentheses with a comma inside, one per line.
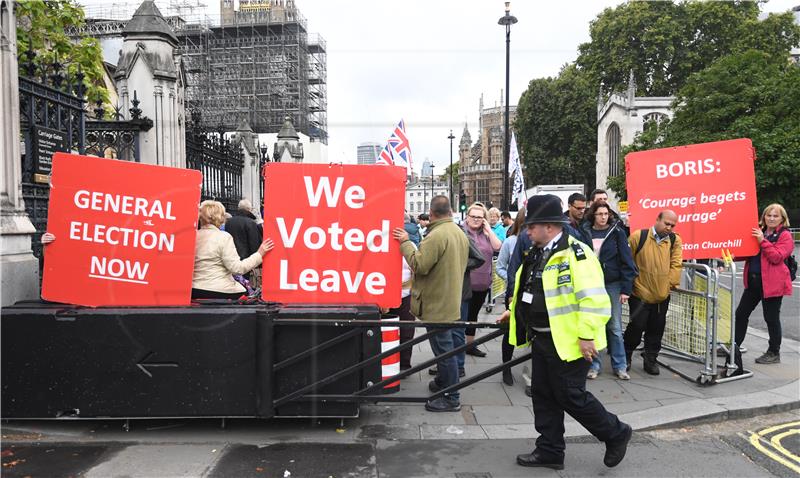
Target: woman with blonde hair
(478,230)
(766,280)
(216,259)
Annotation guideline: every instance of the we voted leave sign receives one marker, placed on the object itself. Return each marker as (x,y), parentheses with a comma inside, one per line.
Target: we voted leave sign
(125,232)
(332,231)
(710,186)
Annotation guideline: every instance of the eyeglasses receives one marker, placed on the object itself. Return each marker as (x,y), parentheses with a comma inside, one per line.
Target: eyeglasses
(475,217)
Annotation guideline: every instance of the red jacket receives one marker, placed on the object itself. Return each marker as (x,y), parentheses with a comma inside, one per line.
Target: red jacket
(775,278)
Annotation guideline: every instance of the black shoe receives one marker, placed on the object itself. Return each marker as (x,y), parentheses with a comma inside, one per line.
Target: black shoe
(433,386)
(528,390)
(435,371)
(615,450)
(769,357)
(534,460)
(651,366)
(508,379)
(476,352)
(443,404)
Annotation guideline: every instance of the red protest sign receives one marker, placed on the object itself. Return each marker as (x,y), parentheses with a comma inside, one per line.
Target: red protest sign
(710,186)
(332,231)
(125,232)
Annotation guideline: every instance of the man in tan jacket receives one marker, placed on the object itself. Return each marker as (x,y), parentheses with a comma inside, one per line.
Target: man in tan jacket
(438,266)
(658,255)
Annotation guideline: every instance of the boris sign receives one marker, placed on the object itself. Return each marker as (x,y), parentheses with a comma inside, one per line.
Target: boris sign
(125,232)
(710,186)
(332,231)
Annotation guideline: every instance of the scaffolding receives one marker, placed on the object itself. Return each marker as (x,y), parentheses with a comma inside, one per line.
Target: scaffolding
(257,63)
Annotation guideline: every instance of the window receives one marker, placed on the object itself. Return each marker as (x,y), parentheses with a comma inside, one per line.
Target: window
(653,119)
(614,141)
(411,207)
(419,206)
(482,191)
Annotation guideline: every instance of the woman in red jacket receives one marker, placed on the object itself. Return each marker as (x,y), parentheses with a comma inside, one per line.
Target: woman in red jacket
(766,280)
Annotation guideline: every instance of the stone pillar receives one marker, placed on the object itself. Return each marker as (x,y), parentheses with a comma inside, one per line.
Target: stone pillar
(18,266)
(251,174)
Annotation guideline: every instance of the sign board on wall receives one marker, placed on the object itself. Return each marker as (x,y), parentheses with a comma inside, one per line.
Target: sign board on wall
(125,232)
(332,231)
(710,186)
(46,142)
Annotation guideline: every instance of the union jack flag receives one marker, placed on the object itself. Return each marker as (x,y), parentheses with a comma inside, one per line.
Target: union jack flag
(397,151)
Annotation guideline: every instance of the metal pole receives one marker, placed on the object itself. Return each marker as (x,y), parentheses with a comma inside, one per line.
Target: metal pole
(507,20)
(451,137)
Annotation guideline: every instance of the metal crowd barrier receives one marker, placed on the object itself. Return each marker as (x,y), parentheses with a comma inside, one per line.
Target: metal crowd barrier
(497,290)
(700,322)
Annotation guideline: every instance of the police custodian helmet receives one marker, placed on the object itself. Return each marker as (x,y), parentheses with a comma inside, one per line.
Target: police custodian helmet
(545,208)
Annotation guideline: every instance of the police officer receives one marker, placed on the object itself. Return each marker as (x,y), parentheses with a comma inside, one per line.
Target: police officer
(560,307)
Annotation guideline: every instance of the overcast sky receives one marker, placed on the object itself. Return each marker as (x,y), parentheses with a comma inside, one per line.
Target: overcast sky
(429,62)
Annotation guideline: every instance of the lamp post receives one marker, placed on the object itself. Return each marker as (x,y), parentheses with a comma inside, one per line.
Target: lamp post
(432,179)
(507,20)
(451,137)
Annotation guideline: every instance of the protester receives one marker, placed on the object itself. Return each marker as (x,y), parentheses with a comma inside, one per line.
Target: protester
(507,350)
(507,220)
(404,313)
(766,280)
(576,209)
(560,307)
(242,226)
(216,259)
(495,225)
(657,253)
(610,244)
(412,229)
(423,220)
(438,266)
(597,195)
(487,242)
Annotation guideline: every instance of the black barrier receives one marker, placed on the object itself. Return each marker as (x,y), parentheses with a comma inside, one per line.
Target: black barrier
(210,360)
(128,362)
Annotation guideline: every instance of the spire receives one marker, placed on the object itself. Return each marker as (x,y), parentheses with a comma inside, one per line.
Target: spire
(631,89)
(466,139)
(148,20)
(287,130)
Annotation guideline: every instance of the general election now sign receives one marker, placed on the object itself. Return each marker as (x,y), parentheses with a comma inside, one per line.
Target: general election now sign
(710,186)
(332,231)
(125,232)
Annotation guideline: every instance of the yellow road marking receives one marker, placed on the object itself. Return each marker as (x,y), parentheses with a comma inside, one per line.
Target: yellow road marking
(776,442)
(756,440)
(777,427)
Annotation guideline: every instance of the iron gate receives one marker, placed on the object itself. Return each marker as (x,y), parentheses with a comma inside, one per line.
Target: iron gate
(220,161)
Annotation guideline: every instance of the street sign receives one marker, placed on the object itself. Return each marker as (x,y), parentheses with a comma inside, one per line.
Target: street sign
(125,232)
(332,231)
(623,206)
(710,186)
(46,142)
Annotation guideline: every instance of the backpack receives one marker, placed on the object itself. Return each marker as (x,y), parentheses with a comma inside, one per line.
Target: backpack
(644,233)
(791,263)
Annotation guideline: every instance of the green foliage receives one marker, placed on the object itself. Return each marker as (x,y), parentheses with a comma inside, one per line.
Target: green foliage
(663,43)
(445,177)
(555,145)
(746,95)
(42,25)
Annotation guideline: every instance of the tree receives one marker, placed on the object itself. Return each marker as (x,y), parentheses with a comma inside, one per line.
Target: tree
(42,27)
(752,95)
(551,126)
(445,177)
(663,43)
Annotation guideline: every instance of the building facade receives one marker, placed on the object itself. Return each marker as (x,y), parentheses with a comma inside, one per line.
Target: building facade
(481,164)
(619,120)
(367,153)
(419,195)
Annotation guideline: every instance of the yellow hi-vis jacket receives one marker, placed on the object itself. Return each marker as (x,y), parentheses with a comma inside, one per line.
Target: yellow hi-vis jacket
(576,299)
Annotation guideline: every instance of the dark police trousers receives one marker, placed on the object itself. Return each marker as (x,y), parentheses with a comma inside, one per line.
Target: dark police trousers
(560,387)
